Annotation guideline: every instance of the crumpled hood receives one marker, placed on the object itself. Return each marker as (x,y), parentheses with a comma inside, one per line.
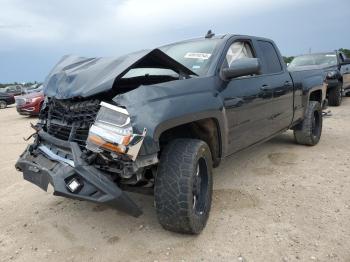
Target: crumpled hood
(75,76)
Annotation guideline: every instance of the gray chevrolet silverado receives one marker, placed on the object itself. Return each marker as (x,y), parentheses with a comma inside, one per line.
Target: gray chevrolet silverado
(158,121)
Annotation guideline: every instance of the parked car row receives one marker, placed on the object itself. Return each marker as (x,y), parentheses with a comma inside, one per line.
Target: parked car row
(28,101)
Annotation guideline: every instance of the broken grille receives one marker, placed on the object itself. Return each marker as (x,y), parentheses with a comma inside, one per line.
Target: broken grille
(70,121)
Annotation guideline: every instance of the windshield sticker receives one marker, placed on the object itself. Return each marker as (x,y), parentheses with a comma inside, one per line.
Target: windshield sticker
(331,55)
(196,67)
(203,56)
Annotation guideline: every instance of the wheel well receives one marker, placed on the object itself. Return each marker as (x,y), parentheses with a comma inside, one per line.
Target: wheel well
(316,96)
(204,129)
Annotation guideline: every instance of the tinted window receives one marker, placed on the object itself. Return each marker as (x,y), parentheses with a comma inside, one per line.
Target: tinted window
(272,63)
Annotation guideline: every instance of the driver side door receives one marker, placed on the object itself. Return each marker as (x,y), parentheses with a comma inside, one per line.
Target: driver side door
(246,103)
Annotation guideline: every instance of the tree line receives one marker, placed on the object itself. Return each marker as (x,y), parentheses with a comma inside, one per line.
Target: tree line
(2,85)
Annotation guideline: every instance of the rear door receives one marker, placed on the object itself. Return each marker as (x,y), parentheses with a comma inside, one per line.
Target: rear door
(247,105)
(277,81)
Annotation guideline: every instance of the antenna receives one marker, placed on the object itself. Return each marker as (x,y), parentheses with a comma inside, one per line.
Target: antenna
(209,34)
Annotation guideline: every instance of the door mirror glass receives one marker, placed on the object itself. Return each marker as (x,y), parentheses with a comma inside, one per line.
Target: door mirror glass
(241,67)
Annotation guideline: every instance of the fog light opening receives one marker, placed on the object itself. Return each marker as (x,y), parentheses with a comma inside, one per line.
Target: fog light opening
(74,185)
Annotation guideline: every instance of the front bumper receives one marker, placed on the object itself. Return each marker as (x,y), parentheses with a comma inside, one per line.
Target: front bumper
(24,112)
(41,169)
(28,109)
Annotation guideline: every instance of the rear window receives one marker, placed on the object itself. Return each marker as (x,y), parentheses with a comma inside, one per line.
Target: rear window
(272,63)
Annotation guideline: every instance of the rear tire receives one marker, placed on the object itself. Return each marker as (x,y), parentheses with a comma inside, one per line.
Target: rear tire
(335,95)
(309,131)
(3,104)
(184,185)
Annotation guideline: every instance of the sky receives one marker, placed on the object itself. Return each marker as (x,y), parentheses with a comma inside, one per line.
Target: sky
(35,34)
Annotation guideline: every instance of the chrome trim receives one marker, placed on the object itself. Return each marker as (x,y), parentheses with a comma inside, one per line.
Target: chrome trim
(112,124)
(51,155)
(133,150)
(115,108)
(29,109)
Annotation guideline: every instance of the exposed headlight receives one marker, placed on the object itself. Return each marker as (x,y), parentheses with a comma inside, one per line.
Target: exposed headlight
(112,131)
(331,74)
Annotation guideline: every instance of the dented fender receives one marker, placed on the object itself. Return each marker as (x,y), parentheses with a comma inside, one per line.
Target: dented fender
(163,106)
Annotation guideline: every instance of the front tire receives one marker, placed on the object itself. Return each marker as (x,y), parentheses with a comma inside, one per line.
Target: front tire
(3,104)
(309,131)
(335,95)
(184,185)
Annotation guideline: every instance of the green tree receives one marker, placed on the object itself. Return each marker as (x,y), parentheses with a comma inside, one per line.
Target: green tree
(288,59)
(345,51)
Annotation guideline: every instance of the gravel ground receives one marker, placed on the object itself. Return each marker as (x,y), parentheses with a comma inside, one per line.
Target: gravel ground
(276,202)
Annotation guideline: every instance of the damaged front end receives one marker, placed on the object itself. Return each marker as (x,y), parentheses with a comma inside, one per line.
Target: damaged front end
(86,145)
(84,156)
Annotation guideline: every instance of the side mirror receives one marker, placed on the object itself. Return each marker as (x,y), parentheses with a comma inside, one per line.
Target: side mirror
(241,67)
(345,62)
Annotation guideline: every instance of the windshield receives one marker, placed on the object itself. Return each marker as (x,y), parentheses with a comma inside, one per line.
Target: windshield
(195,55)
(314,60)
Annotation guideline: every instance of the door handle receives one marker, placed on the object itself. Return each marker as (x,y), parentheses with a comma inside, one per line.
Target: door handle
(232,102)
(265,87)
(287,84)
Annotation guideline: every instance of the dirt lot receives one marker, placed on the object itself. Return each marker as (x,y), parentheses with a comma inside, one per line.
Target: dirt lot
(276,202)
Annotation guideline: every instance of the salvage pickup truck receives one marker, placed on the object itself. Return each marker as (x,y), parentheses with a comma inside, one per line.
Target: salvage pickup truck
(158,121)
(336,68)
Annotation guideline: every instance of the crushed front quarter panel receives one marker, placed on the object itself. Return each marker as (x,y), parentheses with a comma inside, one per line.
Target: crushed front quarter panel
(165,105)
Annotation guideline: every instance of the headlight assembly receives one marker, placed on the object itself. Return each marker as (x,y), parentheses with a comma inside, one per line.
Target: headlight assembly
(112,131)
(331,74)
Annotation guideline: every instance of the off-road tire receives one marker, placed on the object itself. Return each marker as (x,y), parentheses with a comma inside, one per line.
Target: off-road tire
(309,131)
(3,104)
(175,196)
(335,95)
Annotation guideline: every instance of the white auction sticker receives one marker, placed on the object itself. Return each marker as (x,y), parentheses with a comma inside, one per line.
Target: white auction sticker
(203,56)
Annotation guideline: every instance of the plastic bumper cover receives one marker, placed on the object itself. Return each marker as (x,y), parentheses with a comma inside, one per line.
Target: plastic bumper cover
(95,186)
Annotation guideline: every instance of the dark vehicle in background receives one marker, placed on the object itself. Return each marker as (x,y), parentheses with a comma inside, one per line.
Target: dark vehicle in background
(337,71)
(30,104)
(157,121)
(6,99)
(15,90)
